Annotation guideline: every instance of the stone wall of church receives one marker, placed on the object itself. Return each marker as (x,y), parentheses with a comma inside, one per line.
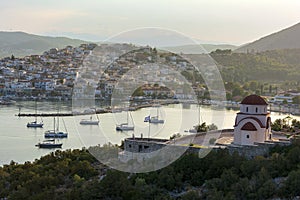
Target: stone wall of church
(260,149)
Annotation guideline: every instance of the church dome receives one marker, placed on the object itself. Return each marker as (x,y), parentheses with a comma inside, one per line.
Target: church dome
(254,100)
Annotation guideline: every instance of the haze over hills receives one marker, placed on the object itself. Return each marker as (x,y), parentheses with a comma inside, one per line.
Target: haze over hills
(194,49)
(22,44)
(288,38)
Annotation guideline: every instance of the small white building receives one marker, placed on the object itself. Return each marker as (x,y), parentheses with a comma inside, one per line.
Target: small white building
(253,122)
(282,98)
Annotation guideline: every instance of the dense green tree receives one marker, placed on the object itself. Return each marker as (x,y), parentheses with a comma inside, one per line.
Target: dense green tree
(202,127)
(75,174)
(212,127)
(190,195)
(237,91)
(116,184)
(275,65)
(292,185)
(296,100)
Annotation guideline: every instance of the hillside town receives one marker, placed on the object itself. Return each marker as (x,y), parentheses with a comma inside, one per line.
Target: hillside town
(62,74)
(50,75)
(53,74)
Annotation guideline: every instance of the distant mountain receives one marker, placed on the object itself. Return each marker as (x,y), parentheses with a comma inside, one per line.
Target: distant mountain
(21,44)
(288,38)
(194,49)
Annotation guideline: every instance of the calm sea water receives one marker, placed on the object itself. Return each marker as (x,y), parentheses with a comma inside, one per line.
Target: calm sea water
(17,142)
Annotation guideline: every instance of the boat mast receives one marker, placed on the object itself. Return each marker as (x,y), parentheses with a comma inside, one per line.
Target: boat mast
(199,114)
(35,111)
(54,124)
(131,119)
(127,117)
(65,125)
(149,130)
(96,115)
(57,128)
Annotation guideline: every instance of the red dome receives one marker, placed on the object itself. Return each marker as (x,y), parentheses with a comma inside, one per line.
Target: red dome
(249,127)
(254,100)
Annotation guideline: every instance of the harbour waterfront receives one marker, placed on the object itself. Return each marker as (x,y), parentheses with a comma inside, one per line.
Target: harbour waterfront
(17,142)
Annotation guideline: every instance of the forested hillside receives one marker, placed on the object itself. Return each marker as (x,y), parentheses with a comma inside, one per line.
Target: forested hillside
(77,175)
(275,65)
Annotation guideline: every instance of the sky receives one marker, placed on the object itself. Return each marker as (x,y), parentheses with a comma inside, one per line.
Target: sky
(210,21)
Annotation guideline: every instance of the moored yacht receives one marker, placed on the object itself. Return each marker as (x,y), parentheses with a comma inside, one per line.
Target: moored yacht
(35,124)
(49,144)
(55,133)
(90,121)
(125,126)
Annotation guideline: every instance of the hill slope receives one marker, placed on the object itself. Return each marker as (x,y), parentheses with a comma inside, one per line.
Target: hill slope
(22,44)
(288,38)
(194,49)
(273,65)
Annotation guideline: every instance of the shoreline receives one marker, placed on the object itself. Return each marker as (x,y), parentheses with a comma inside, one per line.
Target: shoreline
(277,109)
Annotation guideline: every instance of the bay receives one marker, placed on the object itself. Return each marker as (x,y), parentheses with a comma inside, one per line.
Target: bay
(17,142)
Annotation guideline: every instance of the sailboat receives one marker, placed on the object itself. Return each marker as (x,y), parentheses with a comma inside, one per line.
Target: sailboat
(49,144)
(155,119)
(35,124)
(125,126)
(55,133)
(90,121)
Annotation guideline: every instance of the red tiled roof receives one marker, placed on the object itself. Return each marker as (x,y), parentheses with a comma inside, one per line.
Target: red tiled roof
(254,100)
(249,127)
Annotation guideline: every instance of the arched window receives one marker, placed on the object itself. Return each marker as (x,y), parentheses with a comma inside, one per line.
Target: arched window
(246,109)
(256,109)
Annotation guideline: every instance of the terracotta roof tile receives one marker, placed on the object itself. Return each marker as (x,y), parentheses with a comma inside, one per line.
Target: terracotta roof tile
(254,100)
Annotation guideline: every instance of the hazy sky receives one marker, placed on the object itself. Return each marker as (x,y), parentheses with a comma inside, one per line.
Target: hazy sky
(229,21)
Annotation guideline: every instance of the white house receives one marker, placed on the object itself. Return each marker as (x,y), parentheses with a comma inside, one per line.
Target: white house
(253,122)
(21,84)
(45,84)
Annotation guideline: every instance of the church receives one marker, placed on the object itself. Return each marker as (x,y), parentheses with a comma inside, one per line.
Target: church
(253,122)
